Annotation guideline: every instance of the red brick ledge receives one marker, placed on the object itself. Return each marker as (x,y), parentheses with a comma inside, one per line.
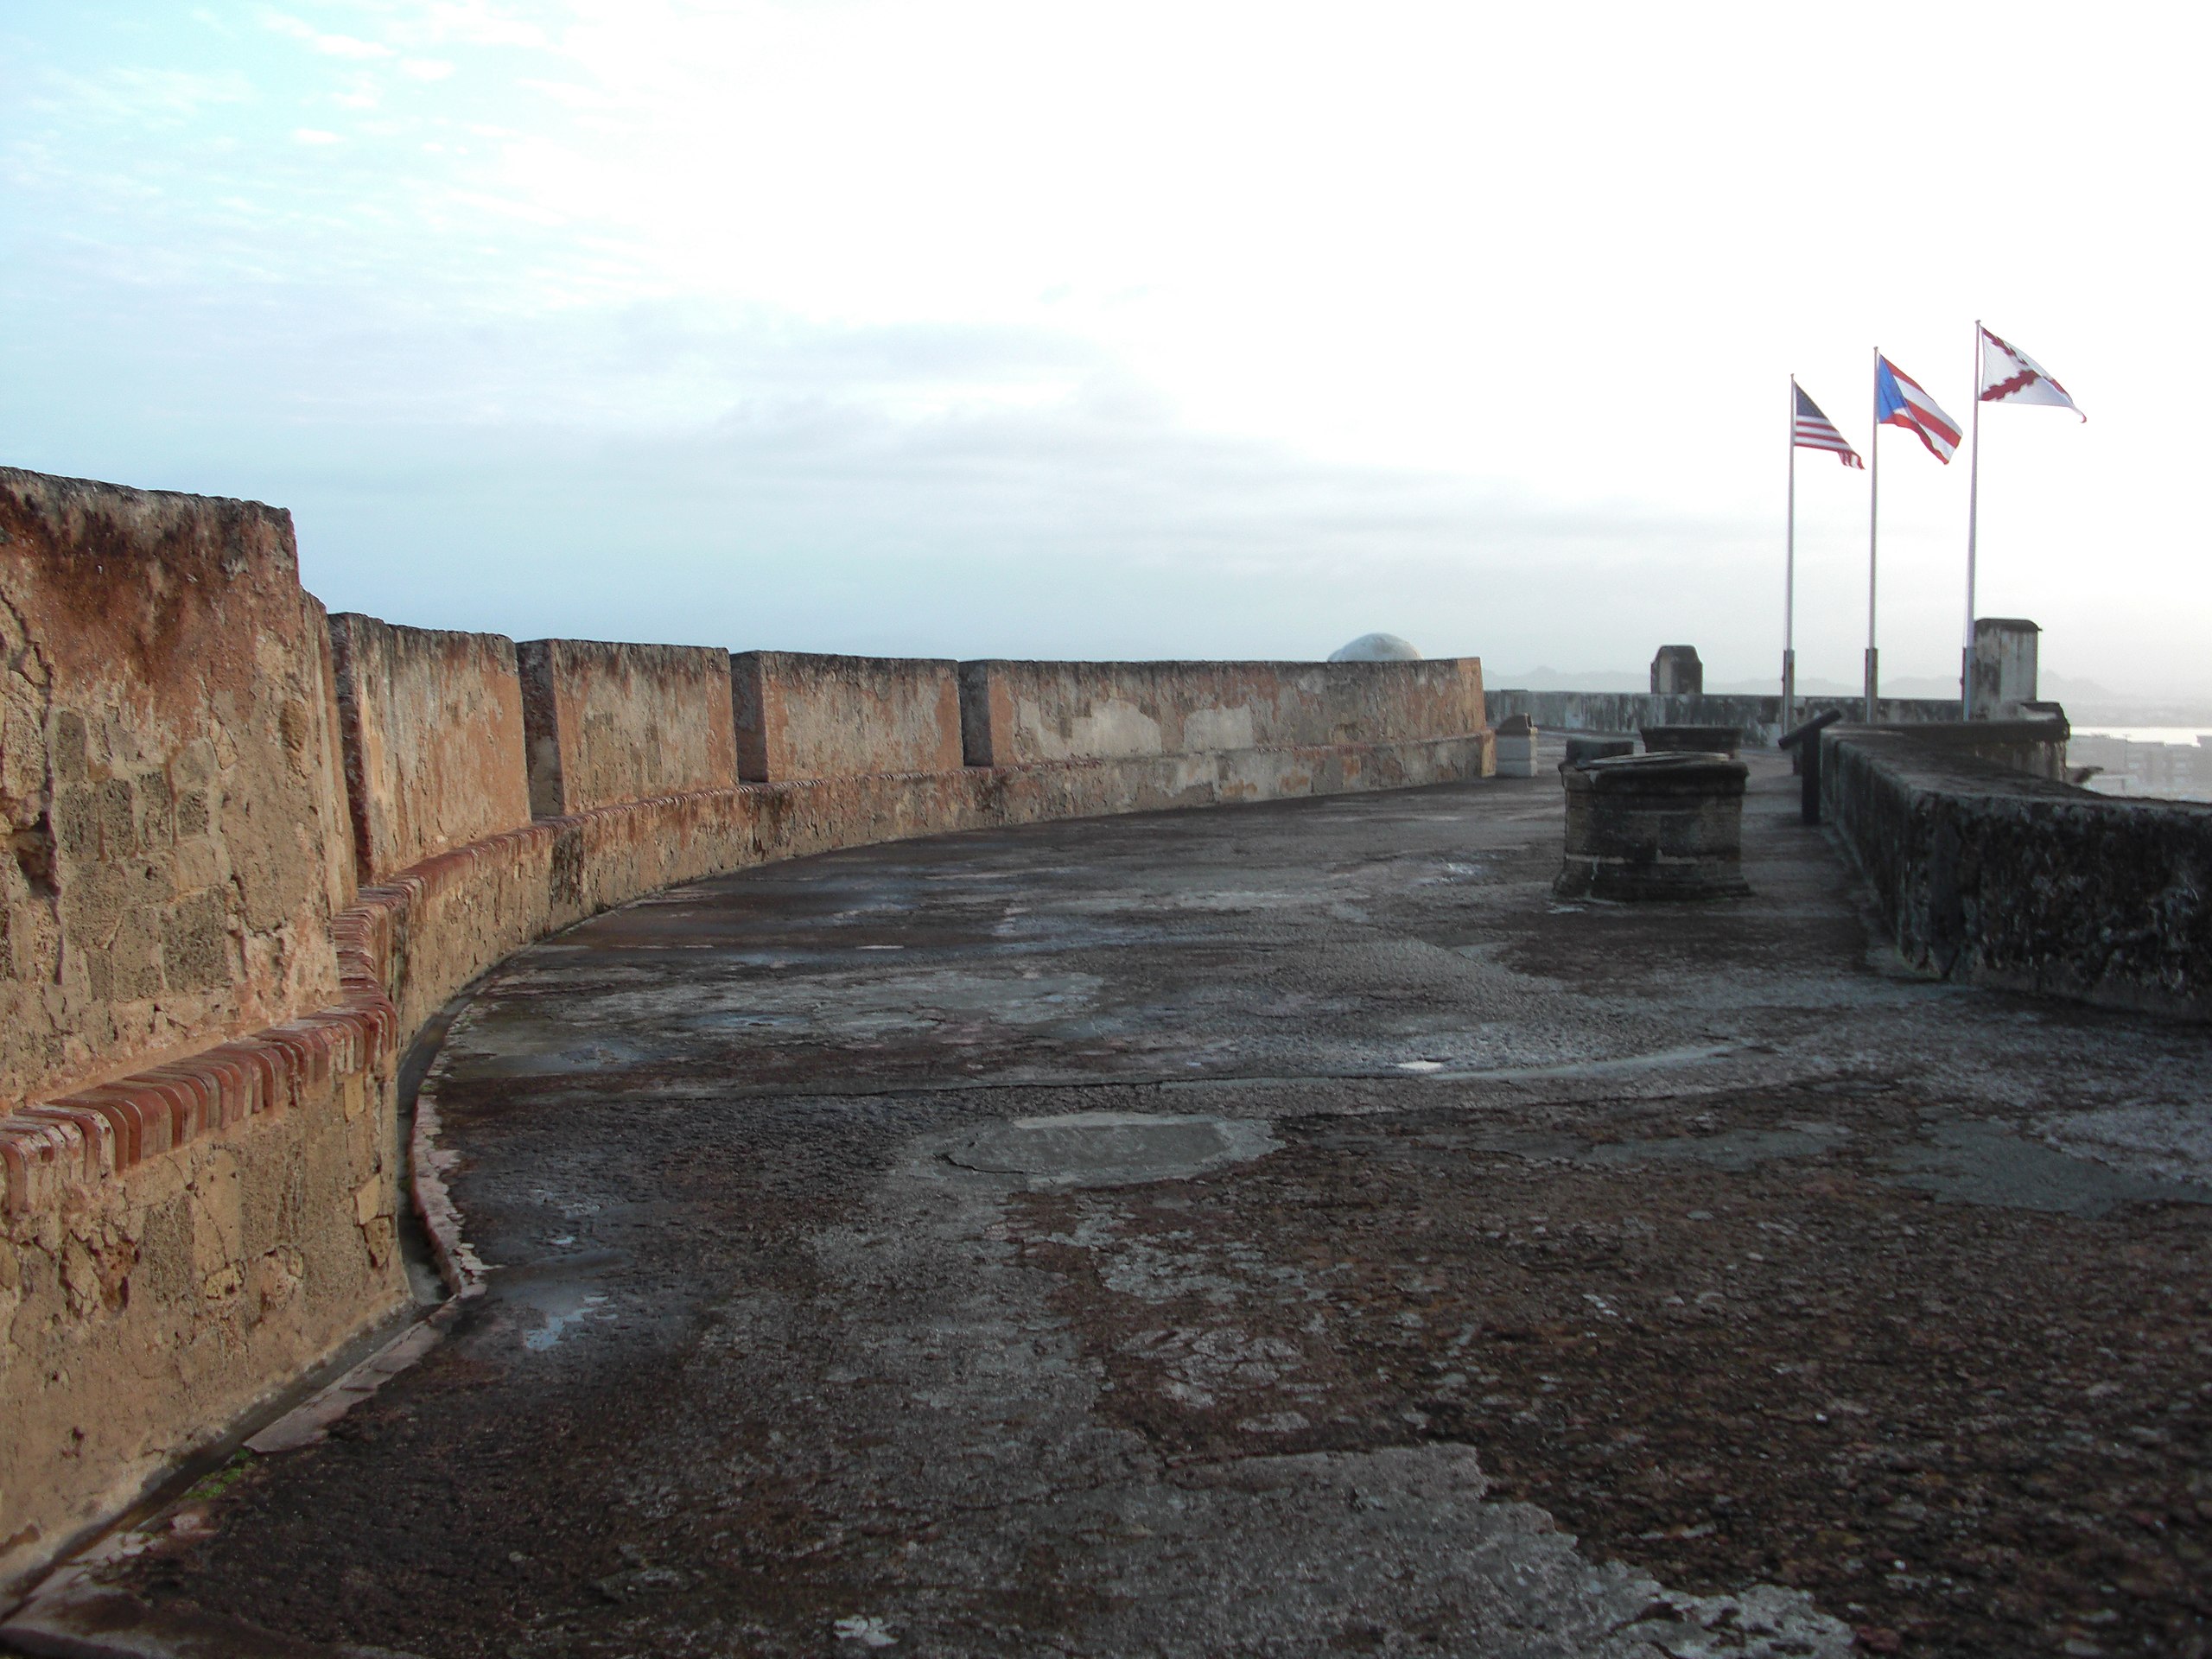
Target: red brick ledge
(97,1135)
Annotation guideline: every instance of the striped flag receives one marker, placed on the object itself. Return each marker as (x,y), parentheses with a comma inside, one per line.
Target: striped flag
(2009,375)
(1815,430)
(1899,401)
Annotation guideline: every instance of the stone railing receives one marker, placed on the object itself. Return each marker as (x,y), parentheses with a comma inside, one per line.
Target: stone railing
(1984,865)
(1759,719)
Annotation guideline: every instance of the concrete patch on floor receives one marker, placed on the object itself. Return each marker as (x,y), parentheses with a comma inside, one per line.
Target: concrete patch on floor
(963,1391)
(1971,1162)
(2169,1141)
(1111,1149)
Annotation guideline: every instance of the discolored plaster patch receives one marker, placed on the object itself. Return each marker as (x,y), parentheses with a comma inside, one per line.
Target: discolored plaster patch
(1111,1149)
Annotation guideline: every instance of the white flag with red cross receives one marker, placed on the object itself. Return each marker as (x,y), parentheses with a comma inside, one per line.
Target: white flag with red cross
(2009,375)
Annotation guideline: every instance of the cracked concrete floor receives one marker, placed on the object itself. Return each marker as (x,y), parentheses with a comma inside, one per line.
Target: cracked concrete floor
(1279,1230)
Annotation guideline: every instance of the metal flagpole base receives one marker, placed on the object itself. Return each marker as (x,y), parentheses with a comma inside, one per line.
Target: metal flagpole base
(1966,684)
(1874,685)
(1788,690)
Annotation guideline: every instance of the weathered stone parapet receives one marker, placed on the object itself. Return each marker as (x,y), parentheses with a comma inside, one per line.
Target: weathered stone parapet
(1654,826)
(804,715)
(433,729)
(2002,667)
(1758,718)
(200,1167)
(608,722)
(1027,713)
(170,790)
(178,1245)
(1982,870)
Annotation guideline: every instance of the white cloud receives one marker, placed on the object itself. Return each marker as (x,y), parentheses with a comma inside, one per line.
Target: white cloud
(1560,259)
(333,46)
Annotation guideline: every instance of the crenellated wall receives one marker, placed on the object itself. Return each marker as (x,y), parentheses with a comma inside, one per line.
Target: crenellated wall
(199,1131)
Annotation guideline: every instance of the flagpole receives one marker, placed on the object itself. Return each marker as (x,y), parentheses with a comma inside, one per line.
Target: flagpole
(1790,579)
(1873,533)
(1973,516)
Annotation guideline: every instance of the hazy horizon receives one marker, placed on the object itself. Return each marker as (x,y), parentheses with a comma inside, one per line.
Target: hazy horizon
(981,330)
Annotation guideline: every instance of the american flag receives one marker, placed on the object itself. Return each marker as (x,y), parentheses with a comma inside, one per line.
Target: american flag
(1900,400)
(1815,431)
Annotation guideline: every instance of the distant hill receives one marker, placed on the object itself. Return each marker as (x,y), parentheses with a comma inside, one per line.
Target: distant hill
(1550,679)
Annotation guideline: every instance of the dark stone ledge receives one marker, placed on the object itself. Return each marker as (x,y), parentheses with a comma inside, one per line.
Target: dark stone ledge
(1981,869)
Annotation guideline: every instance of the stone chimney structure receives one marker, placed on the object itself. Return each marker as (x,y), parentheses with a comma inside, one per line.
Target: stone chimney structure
(1676,672)
(2003,669)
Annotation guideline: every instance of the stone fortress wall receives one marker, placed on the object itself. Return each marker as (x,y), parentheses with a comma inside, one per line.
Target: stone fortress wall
(1984,865)
(1759,719)
(256,849)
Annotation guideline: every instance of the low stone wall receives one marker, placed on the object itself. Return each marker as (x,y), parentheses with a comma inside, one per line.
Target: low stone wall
(1982,871)
(609,722)
(176,1248)
(433,734)
(1024,713)
(800,716)
(1759,719)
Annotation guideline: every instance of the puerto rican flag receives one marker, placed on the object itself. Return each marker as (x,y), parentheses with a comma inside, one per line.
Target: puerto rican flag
(1899,401)
(2009,375)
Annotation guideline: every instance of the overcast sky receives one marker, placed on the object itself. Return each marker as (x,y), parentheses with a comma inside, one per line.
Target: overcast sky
(1130,329)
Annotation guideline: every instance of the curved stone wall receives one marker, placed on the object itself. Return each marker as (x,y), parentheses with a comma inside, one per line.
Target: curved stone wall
(200,1135)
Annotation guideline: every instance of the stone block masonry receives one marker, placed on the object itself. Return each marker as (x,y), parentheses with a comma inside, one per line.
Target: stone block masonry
(1676,672)
(200,1167)
(432,730)
(609,722)
(1025,713)
(814,716)
(1759,719)
(170,777)
(1659,826)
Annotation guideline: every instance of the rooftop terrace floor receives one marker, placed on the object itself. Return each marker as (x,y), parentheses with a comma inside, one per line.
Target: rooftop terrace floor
(1424,1265)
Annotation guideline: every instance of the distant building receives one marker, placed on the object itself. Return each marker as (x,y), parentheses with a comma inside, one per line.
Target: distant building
(2172,772)
(1376,648)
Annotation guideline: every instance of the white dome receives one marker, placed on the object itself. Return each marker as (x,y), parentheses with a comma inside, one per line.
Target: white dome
(1376,648)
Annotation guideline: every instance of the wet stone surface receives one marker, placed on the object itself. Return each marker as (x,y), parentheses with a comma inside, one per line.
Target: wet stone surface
(1283,1230)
